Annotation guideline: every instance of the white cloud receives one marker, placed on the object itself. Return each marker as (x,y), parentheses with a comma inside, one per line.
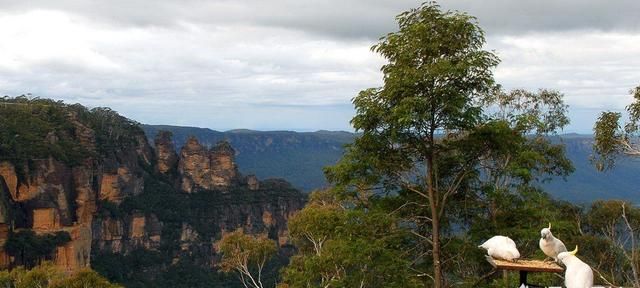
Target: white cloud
(593,69)
(287,64)
(69,57)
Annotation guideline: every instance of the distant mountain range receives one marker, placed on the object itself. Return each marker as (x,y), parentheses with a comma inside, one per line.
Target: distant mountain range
(300,156)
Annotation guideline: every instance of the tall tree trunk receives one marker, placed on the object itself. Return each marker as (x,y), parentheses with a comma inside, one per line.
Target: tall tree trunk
(435,225)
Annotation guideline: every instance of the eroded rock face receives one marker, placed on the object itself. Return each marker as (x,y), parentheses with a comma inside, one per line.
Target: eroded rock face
(84,182)
(165,152)
(224,169)
(253,183)
(122,235)
(115,187)
(46,183)
(76,254)
(45,219)
(207,169)
(10,177)
(55,196)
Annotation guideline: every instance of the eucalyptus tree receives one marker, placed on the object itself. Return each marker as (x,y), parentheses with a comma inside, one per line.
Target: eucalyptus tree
(341,245)
(525,126)
(436,75)
(613,138)
(247,255)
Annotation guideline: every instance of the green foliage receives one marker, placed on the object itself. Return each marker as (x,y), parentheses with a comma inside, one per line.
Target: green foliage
(35,129)
(346,248)
(113,132)
(414,127)
(201,211)
(611,140)
(449,150)
(30,248)
(133,269)
(246,255)
(608,139)
(49,275)
(85,279)
(529,113)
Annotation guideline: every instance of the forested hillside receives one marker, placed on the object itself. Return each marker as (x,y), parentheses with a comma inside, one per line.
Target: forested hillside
(297,157)
(300,157)
(83,188)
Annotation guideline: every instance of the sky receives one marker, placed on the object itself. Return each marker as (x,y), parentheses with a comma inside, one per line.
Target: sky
(291,64)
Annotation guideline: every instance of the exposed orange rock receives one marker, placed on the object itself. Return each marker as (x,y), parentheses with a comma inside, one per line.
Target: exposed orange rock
(130,233)
(213,169)
(166,152)
(5,261)
(45,219)
(60,197)
(110,188)
(108,235)
(115,187)
(5,203)
(75,255)
(224,170)
(8,172)
(137,226)
(194,165)
(86,196)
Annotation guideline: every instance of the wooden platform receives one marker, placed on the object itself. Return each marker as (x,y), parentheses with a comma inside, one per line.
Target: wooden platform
(526,265)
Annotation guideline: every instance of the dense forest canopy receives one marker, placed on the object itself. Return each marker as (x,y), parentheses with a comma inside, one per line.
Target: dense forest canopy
(34,128)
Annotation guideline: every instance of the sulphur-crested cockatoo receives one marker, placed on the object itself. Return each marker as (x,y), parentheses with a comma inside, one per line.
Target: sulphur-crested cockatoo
(501,247)
(550,245)
(578,274)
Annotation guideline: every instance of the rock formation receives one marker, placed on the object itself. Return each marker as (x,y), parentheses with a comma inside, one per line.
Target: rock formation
(120,196)
(252,182)
(213,169)
(165,152)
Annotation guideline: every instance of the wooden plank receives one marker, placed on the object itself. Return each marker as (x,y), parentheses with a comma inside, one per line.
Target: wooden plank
(525,265)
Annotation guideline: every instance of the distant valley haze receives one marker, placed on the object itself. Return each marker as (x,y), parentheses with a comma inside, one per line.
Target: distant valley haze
(300,158)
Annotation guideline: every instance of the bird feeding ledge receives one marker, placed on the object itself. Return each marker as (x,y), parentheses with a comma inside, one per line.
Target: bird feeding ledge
(524,267)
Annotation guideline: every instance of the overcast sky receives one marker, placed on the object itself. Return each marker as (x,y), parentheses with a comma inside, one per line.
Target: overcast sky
(291,64)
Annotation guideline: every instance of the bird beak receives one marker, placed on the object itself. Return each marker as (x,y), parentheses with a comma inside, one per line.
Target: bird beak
(575,251)
(549,225)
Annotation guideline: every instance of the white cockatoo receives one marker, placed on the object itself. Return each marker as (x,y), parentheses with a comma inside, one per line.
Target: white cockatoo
(550,245)
(501,247)
(578,274)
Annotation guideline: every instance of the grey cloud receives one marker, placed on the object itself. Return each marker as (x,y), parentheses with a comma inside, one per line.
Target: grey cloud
(289,64)
(351,19)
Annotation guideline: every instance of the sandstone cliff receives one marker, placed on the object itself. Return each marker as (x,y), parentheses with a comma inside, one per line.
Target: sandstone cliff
(102,184)
(165,152)
(208,169)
